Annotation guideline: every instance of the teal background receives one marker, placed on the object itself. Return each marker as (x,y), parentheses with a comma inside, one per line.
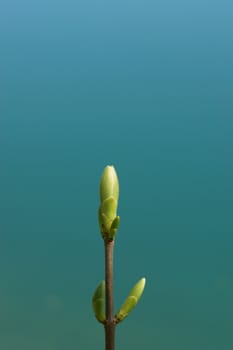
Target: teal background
(146,86)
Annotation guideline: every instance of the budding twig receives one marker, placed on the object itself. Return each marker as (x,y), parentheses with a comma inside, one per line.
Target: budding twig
(109,223)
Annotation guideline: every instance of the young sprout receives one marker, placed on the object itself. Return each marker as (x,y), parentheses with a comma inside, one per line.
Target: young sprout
(102,301)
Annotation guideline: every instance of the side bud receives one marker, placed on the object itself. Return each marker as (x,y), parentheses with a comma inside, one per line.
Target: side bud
(98,302)
(109,194)
(132,299)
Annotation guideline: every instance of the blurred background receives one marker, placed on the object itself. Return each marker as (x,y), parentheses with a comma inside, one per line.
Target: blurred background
(146,86)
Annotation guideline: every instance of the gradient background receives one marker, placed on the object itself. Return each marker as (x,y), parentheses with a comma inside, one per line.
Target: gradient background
(146,86)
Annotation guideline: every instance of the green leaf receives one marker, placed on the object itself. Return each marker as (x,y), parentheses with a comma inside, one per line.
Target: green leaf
(109,207)
(114,227)
(115,223)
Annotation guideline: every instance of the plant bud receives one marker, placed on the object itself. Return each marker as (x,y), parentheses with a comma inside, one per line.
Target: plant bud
(98,302)
(109,185)
(109,194)
(132,299)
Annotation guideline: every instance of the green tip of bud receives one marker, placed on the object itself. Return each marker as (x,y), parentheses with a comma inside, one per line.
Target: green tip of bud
(109,194)
(131,301)
(109,184)
(98,302)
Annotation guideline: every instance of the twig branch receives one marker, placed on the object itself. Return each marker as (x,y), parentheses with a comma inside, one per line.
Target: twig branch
(110,323)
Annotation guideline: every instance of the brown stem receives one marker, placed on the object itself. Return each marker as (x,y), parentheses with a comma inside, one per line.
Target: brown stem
(110,337)
(109,302)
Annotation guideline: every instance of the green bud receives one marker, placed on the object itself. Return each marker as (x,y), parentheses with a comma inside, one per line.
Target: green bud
(109,185)
(132,299)
(109,194)
(98,301)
